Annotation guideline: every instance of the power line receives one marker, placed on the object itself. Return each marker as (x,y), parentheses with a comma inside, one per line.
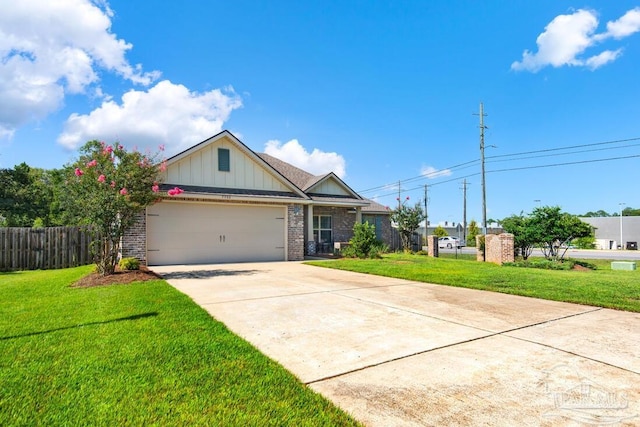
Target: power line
(564,164)
(470,163)
(423,176)
(516,169)
(430,185)
(566,148)
(561,154)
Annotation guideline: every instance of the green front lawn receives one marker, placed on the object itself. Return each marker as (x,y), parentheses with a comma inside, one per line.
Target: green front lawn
(603,287)
(139,354)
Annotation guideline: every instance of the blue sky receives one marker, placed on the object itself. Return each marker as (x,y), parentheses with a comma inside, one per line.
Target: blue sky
(378,92)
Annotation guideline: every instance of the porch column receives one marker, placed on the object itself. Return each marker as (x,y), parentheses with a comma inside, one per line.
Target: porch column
(311,244)
(358,215)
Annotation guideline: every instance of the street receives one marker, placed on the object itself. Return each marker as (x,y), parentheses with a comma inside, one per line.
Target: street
(571,253)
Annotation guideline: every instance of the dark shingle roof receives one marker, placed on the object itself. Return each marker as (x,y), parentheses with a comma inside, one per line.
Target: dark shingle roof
(297,176)
(375,207)
(195,189)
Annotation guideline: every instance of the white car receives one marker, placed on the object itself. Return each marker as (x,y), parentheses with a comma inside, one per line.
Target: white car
(449,242)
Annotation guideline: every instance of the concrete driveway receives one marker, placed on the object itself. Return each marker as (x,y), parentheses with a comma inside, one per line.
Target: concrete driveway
(396,352)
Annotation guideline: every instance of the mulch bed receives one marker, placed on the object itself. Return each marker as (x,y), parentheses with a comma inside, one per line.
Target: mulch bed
(580,268)
(118,278)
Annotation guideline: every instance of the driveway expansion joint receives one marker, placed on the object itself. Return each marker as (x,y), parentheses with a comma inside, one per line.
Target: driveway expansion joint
(490,335)
(330,291)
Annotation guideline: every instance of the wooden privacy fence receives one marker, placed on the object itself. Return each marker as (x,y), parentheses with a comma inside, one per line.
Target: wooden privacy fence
(23,248)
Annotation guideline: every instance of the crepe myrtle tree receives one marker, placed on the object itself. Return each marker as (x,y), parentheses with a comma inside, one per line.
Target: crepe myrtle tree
(407,219)
(554,230)
(107,188)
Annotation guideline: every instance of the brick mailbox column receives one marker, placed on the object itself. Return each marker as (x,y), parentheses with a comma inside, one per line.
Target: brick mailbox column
(432,243)
(499,248)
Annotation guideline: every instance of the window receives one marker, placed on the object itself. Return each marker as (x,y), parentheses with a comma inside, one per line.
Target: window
(376,221)
(322,229)
(224,161)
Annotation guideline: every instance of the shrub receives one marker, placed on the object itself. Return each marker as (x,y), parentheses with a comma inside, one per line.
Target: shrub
(543,264)
(546,264)
(364,237)
(363,244)
(129,264)
(378,249)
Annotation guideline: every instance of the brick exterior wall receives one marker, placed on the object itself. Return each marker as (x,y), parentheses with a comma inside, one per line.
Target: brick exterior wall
(134,242)
(499,248)
(342,221)
(295,233)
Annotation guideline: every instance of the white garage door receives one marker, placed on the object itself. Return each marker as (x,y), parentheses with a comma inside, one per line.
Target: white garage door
(193,233)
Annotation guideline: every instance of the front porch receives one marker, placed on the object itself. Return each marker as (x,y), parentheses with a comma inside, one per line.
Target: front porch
(327,225)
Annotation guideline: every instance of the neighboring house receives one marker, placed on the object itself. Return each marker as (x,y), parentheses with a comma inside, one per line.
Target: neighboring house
(241,206)
(609,229)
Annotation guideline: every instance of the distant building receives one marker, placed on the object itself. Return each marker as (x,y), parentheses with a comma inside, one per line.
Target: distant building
(608,231)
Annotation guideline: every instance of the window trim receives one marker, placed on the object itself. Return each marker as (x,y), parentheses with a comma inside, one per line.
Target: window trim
(318,229)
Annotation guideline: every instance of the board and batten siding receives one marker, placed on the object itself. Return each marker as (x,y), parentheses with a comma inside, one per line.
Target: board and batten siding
(329,187)
(201,168)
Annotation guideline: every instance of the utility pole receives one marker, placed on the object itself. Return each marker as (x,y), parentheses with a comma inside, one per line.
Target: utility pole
(426,217)
(464,211)
(484,186)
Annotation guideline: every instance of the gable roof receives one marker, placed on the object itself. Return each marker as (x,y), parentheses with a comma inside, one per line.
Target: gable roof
(300,182)
(295,190)
(306,181)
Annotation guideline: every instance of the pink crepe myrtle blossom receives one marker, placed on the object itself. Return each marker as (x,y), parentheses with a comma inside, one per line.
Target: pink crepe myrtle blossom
(163,166)
(102,178)
(120,147)
(123,191)
(92,163)
(113,184)
(161,147)
(407,197)
(155,188)
(175,191)
(78,172)
(107,150)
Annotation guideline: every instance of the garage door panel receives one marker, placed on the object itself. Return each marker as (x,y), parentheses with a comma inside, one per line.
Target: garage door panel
(186,233)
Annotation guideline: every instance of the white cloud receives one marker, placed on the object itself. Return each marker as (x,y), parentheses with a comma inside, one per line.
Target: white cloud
(431,172)
(603,58)
(317,162)
(51,48)
(567,37)
(628,24)
(166,114)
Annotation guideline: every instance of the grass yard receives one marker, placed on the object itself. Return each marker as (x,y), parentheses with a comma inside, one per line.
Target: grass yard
(138,354)
(603,287)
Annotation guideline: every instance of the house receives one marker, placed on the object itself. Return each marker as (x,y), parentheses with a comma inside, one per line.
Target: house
(241,206)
